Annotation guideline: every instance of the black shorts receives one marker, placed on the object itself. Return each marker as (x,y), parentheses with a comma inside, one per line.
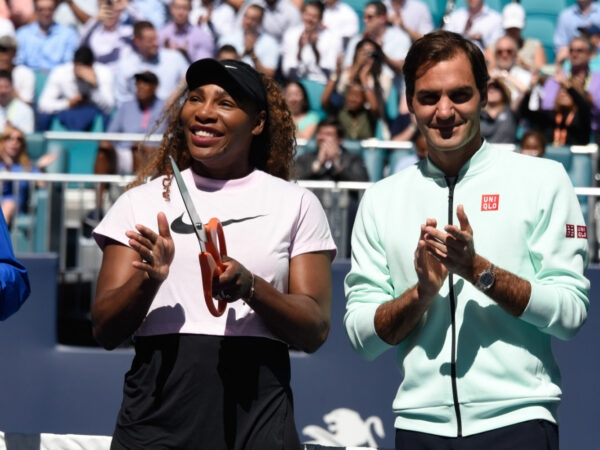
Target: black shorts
(529,435)
(207,392)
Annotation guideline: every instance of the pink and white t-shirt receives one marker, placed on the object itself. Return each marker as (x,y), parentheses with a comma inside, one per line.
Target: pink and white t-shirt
(267,221)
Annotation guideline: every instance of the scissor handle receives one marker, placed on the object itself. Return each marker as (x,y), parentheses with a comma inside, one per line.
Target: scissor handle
(211,264)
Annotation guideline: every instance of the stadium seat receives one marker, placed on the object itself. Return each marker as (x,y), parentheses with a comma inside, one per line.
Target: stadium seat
(81,155)
(547,7)
(314,90)
(541,26)
(437,8)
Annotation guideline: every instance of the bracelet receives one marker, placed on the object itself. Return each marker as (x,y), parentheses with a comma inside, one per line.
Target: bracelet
(250,296)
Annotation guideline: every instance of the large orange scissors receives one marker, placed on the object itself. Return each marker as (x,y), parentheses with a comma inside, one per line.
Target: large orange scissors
(212,245)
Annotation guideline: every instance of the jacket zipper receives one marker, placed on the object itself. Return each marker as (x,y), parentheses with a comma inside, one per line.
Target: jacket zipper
(451,182)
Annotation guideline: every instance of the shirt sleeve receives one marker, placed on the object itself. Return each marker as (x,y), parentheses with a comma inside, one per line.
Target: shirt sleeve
(559,301)
(14,280)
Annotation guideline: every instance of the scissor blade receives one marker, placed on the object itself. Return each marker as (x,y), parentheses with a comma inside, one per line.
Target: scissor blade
(189,206)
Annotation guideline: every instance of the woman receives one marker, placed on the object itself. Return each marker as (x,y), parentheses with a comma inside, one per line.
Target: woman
(498,121)
(569,123)
(200,381)
(13,152)
(297,101)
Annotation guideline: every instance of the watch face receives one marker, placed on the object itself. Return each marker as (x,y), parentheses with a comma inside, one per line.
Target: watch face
(486,280)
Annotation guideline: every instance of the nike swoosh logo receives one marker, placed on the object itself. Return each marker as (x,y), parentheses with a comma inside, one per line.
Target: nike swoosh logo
(180,227)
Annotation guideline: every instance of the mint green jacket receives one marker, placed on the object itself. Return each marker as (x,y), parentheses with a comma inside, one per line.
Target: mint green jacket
(526,219)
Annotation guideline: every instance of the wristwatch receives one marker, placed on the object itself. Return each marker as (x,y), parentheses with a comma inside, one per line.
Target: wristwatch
(486,278)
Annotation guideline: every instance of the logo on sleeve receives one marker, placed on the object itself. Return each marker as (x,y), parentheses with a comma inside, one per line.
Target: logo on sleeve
(490,202)
(581,231)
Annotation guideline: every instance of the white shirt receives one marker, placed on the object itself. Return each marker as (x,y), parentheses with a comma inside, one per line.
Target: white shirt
(415,14)
(61,86)
(222,18)
(23,79)
(266,48)
(488,23)
(341,19)
(19,114)
(329,45)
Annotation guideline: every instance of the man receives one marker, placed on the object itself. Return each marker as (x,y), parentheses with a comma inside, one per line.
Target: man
(309,50)
(476,21)
(333,162)
(257,48)
(586,81)
(76,93)
(12,109)
(44,44)
(515,78)
(135,116)
(179,34)
(582,14)
(465,273)
(341,18)
(412,16)
(168,65)
(23,76)
(279,16)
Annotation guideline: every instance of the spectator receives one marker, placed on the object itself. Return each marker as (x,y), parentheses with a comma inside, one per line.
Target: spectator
(23,77)
(309,50)
(255,47)
(592,32)
(190,39)
(306,120)
(216,17)
(44,44)
(358,116)
(515,78)
(168,65)
(76,93)
(20,13)
(476,21)
(331,161)
(13,110)
(393,41)
(568,122)
(581,77)
(533,143)
(411,16)
(227,51)
(140,115)
(279,16)
(498,120)
(582,14)
(531,52)
(341,18)
(14,158)
(106,34)
(419,153)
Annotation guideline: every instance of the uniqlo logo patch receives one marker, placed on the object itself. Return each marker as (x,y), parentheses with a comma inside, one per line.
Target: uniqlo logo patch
(490,202)
(570,231)
(581,231)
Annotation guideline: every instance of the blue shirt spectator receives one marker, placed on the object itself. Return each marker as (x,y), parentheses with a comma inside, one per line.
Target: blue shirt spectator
(14,281)
(44,44)
(580,15)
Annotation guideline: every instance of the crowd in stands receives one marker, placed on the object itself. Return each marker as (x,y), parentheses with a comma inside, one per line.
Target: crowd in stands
(73,64)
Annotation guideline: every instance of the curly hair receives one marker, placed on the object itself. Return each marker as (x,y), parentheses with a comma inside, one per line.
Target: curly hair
(272,151)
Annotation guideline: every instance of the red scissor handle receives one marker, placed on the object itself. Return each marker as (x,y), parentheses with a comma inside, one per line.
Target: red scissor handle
(211,264)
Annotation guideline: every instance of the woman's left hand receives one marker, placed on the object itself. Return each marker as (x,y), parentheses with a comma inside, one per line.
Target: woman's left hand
(234,283)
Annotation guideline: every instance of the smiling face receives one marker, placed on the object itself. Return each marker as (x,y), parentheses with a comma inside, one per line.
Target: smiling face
(446,105)
(219,131)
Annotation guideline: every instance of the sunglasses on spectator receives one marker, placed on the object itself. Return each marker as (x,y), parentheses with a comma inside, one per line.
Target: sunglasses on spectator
(369,16)
(578,50)
(508,51)
(20,139)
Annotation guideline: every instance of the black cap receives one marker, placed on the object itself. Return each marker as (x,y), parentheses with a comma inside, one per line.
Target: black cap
(147,76)
(590,30)
(239,79)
